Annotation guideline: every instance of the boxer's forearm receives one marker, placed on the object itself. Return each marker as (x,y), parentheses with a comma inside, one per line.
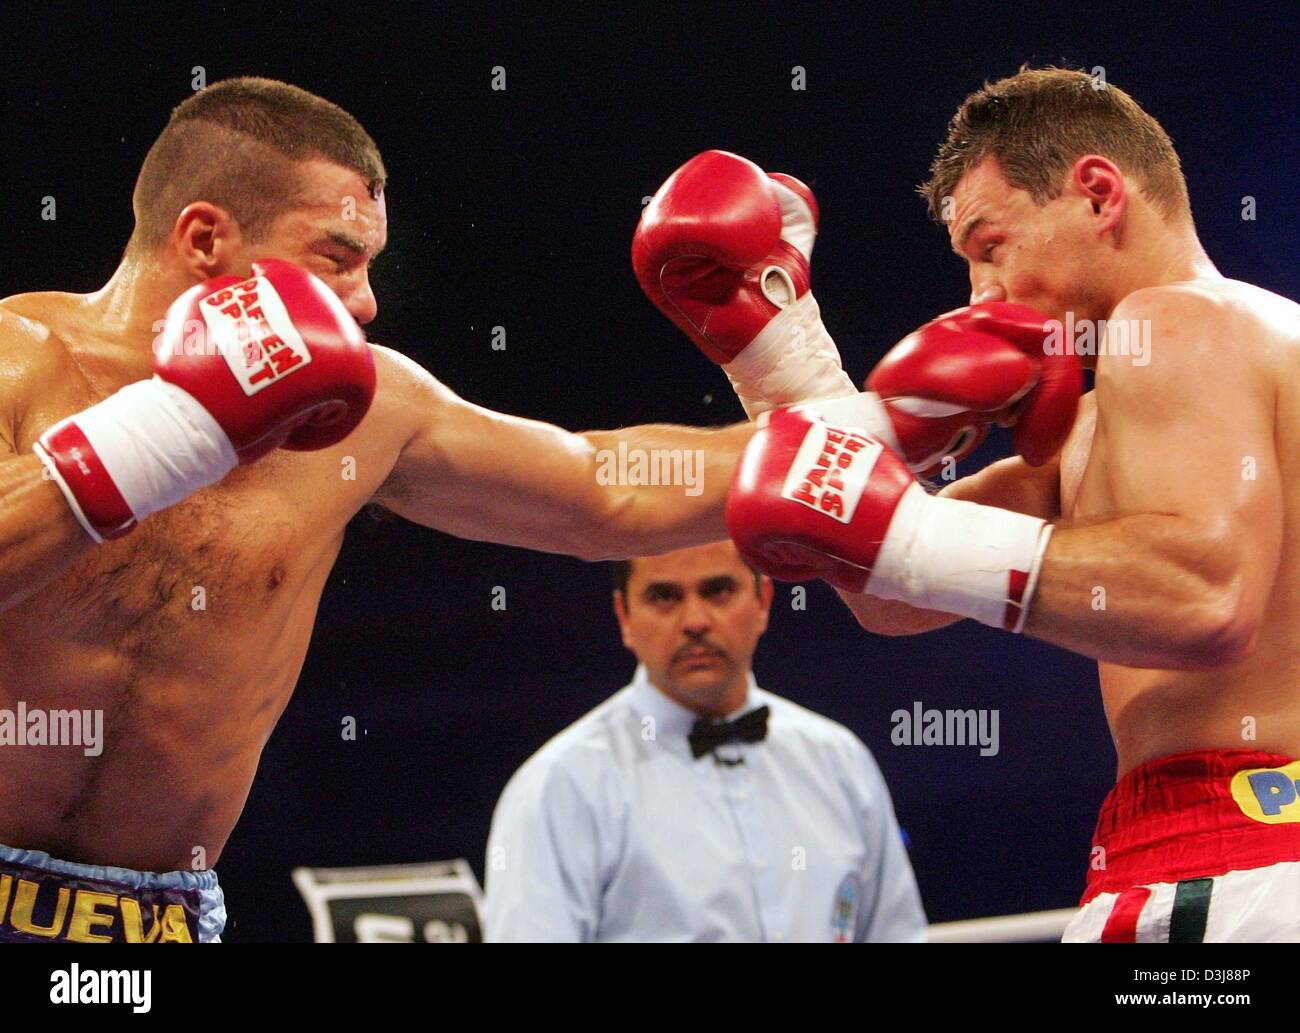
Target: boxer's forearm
(1148,590)
(669,484)
(605,494)
(39,536)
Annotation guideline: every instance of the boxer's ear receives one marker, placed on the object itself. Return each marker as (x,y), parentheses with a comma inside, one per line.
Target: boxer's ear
(1100,182)
(206,240)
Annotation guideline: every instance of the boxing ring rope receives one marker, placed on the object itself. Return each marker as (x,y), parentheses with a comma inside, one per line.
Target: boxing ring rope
(1031,927)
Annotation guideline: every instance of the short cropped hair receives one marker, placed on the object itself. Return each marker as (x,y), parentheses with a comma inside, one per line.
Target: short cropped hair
(1039,122)
(237,144)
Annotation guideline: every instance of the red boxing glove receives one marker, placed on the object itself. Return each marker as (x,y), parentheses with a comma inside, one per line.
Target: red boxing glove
(723,250)
(812,499)
(242,367)
(286,364)
(1044,418)
(944,384)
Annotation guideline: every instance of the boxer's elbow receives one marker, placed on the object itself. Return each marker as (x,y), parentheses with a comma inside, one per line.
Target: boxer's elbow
(1221,630)
(1209,602)
(608,528)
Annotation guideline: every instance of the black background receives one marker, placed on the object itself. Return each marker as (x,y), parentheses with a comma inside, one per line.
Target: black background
(515,209)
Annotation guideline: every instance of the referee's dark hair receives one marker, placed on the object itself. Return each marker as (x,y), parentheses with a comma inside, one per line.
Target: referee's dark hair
(622,572)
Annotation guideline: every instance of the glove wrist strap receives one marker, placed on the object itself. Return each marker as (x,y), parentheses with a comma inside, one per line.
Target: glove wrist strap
(151,443)
(792,360)
(961,557)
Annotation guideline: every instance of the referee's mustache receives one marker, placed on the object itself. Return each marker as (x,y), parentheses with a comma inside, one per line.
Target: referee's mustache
(700,645)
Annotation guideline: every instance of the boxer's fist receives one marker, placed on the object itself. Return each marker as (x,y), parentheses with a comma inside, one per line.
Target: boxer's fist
(812,499)
(278,361)
(286,364)
(946,383)
(816,499)
(722,247)
(1042,420)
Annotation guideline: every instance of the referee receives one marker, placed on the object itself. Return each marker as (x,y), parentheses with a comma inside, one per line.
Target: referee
(693,805)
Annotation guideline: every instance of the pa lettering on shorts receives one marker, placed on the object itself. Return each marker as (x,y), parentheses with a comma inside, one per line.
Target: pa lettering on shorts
(1269,795)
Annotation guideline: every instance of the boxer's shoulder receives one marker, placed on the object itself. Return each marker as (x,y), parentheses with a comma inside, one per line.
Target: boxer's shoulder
(407,396)
(33,343)
(1204,328)
(397,374)
(1205,307)
(1176,302)
(27,318)
(47,309)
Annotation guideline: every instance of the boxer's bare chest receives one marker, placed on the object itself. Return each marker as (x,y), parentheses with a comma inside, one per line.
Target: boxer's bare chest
(227,554)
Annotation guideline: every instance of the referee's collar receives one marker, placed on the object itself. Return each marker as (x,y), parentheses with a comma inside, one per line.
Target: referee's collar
(672,721)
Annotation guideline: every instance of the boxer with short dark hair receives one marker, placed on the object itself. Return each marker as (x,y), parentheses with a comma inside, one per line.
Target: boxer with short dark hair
(241,144)
(1174,503)
(143,468)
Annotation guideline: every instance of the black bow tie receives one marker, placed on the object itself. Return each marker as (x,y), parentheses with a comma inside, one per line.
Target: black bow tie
(709,735)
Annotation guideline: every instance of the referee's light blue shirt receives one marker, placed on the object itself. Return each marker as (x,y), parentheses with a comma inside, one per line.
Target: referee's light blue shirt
(613,832)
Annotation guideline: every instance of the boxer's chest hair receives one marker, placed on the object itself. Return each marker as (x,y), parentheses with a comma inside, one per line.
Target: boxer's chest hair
(222,553)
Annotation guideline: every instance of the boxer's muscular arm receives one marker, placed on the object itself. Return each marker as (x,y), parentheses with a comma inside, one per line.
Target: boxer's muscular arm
(490,477)
(1189,559)
(1008,484)
(39,536)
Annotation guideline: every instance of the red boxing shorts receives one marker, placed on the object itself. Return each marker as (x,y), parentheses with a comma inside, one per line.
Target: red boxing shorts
(1200,847)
